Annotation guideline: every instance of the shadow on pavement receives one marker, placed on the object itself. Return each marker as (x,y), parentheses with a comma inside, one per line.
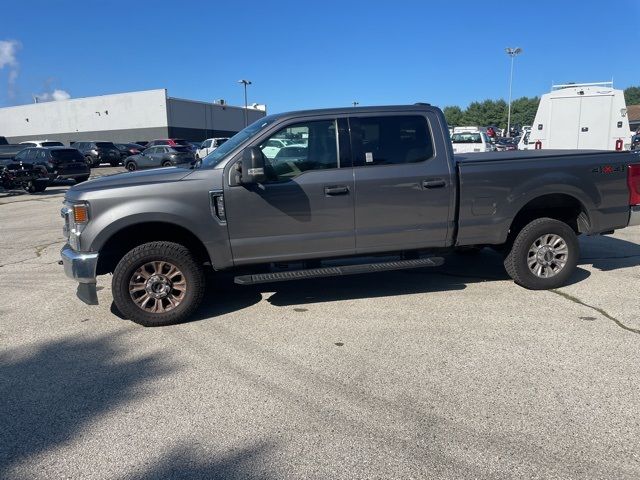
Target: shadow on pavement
(51,392)
(608,253)
(245,463)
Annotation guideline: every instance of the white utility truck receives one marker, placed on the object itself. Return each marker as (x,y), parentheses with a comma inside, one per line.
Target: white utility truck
(587,116)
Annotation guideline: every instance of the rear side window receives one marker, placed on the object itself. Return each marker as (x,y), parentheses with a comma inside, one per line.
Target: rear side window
(52,144)
(105,144)
(391,140)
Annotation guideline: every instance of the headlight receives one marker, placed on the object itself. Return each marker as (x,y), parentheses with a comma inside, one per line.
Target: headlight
(76,217)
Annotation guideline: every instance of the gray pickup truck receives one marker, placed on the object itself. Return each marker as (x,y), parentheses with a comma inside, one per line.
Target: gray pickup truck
(349,190)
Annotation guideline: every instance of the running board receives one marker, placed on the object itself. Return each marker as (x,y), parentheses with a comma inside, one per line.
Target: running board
(337,271)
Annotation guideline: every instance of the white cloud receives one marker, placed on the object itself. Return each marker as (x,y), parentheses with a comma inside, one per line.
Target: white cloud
(8,51)
(8,58)
(54,96)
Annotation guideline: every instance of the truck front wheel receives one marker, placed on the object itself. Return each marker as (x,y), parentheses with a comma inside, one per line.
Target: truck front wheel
(158,283)
(544,255)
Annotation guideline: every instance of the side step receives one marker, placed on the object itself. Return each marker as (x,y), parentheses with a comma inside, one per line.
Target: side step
(337,271)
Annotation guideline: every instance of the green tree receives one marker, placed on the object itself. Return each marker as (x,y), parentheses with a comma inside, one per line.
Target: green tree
(523,110)
(453,114)
(632,95)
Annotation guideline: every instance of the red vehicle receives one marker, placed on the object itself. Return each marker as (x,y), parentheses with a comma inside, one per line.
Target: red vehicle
(172,142)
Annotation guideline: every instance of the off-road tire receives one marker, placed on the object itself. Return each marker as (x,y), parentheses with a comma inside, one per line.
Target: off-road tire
(173,253)
(84,178)
(516,260)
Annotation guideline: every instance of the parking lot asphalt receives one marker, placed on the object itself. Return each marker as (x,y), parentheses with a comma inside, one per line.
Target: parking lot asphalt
(452,372)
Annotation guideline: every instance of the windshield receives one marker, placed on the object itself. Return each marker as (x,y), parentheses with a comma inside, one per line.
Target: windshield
(215,157)
(466,138)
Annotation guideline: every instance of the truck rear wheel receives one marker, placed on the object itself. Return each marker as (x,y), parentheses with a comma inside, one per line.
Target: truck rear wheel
(158,283)
(544,255)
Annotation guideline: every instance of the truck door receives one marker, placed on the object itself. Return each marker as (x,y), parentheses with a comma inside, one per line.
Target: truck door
(595,122)
(305,208)
(404,192)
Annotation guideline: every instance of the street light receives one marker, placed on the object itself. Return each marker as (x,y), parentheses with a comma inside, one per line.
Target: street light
(512,52)
(355,104)
(245,83)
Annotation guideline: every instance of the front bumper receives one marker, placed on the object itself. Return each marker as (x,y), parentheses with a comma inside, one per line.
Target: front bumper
(81,267)
(634,216)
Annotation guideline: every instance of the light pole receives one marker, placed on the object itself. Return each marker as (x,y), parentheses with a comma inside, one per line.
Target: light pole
(512,52)
(355,104)
(245,83)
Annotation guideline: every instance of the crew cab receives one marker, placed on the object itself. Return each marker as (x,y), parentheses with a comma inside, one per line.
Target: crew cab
(378,188)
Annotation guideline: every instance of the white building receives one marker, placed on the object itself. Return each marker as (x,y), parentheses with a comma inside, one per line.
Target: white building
(124,117)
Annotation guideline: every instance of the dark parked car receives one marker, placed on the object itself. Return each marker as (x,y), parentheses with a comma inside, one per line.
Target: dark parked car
(507,144)
(3,141)
(96,153)
(61,163)
(15,174)
(160,156)
(128,149)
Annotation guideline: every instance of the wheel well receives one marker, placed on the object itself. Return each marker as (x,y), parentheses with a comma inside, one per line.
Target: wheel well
(130,237)
(558,206)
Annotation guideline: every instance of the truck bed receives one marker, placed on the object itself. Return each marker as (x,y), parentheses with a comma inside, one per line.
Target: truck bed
(495,187)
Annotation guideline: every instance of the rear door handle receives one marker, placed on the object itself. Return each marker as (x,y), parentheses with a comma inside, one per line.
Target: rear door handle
(437,183)
(336,190)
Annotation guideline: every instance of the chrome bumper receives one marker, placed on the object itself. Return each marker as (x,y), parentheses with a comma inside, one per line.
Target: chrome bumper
(81,267)
(634,216)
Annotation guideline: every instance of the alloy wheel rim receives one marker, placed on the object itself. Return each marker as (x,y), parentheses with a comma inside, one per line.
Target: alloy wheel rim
(157,287)
(547,255)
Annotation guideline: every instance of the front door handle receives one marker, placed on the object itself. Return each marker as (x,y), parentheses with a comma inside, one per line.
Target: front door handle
(336,190)
(437,183)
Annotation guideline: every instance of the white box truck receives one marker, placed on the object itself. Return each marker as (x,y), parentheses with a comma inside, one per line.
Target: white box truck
(588,116)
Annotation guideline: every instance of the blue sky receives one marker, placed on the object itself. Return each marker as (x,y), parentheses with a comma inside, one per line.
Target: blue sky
(316,54)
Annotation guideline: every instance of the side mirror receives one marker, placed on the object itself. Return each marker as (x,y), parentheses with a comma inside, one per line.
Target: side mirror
(253,166)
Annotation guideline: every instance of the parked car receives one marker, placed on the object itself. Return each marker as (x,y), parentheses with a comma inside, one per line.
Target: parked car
(208,146)
(374,180)
(128,149)
(273,146)
(42,143)
(96,153)
(160,156)
(16,174)
(172,142)
(60,163)
(507,144)
(469,142)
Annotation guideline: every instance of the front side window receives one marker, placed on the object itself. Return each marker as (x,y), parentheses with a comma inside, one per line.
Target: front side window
(206,144)
(391,140)
(303,146)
